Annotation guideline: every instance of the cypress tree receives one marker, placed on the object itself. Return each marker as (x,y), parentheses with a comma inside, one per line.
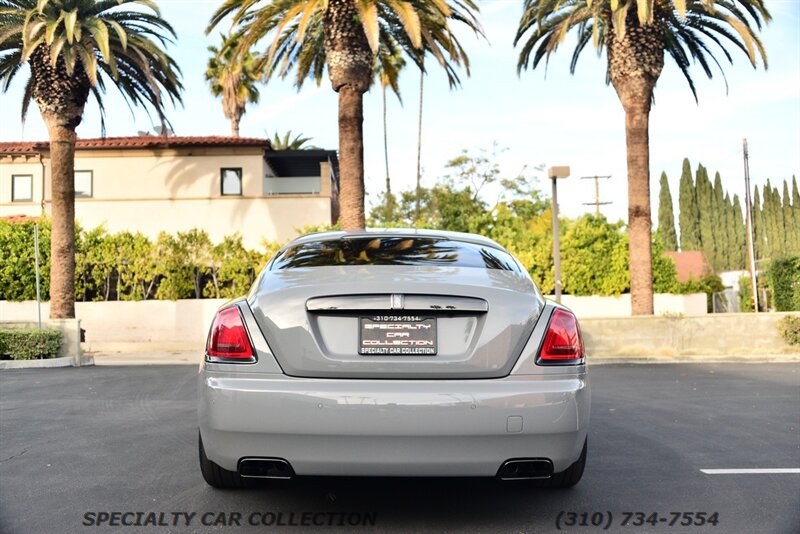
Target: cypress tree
(766,217)
(720,227)
(789,223)
(780,222)
(688,216)
(740,230)
(759,232)
(795,193)
(666,217)
(796,211)
(731,252)
(775,230)
(705,204)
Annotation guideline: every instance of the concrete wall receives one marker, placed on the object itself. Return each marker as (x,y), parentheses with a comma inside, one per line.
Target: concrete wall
(726,333)
(593,306)
(183,325)
(121,325)
(70,333)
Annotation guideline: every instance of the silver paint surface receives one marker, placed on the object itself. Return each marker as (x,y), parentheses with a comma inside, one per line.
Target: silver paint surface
(311,399)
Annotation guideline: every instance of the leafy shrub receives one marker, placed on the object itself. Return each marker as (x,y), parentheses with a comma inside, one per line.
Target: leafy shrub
(745,294)
(789,327)
(708,284)
(783,277)
(18,263)
(29,343)
(591,242)
(665,274)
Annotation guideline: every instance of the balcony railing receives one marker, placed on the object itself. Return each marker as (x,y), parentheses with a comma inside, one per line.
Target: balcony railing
(295,185)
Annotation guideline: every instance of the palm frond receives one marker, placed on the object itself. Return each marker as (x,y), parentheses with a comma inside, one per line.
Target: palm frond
(293,32)
(85,41)
(690,29)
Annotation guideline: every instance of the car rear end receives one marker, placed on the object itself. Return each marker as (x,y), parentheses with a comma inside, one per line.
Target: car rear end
(394,355)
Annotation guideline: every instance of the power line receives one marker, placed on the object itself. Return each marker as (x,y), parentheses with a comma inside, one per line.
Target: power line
(596,202)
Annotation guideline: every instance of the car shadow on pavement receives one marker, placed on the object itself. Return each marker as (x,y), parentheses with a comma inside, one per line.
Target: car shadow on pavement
(403,504)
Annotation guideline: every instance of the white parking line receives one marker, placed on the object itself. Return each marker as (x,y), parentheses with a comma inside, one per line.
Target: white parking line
(772,471)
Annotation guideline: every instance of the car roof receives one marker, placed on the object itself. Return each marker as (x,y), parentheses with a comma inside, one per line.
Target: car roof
(396,232)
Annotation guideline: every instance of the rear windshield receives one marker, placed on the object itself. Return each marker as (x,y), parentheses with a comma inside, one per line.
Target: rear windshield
(393,251)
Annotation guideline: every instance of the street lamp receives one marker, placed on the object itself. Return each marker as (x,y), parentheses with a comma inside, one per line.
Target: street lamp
(555,173)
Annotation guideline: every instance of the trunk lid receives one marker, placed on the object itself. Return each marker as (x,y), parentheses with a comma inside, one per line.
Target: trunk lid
(323,322)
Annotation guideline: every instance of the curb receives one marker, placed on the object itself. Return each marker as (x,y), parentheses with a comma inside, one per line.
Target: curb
(693,358)
(49,363)
(179,358)
(673,361)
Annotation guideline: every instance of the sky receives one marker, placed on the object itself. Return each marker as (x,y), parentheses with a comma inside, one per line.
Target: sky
(537,119)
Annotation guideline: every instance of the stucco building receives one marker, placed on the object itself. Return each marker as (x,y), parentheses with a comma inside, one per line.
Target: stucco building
(151,183)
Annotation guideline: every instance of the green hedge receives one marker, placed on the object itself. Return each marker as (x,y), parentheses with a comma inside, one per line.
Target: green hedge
(130,266)
(29,343)
(783,277)
(789,327)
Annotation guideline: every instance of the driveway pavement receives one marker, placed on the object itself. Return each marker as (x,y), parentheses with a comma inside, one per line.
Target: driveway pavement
(116,445)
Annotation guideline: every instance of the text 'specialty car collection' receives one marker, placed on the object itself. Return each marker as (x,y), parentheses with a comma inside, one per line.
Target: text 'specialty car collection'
(393,353)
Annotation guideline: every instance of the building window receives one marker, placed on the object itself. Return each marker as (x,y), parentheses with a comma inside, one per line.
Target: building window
(231,181)
(22,188)
(83,184)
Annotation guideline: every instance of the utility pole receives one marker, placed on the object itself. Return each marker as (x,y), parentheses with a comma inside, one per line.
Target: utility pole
(596,202)
(555,173)
(419,146)
(749,221)
(36,255)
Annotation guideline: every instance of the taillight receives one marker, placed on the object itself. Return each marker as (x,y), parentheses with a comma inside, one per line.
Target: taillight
(228,339)
(563,343)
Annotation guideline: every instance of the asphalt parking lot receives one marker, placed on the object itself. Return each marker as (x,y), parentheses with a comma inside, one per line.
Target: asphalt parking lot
(78,445)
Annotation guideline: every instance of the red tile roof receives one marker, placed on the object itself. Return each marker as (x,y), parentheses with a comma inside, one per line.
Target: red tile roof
(689,264)
(143,141)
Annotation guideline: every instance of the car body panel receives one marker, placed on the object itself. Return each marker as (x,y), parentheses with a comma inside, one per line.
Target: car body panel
(393,427)
(311,399)
(321,342)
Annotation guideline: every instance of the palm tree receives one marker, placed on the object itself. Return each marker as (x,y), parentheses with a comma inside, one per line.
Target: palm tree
(388,64)
(233,77)
(344,35)
(73,48)
(635,35)
(288,143)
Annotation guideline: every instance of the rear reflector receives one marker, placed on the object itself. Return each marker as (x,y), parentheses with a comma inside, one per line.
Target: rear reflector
(228,339)
(563,340)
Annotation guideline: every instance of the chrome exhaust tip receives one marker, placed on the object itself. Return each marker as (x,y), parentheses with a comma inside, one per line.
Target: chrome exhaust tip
(526,469)
(276,468)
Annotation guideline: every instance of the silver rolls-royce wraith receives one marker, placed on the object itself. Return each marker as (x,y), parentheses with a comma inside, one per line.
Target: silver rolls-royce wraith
(393,353)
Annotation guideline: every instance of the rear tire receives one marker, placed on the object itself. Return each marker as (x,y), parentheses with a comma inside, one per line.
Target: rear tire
(215,475)
(571,475)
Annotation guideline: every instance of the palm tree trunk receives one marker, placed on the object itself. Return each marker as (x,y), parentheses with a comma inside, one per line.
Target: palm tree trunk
(62,238)
(351,158)
(637,138)
(635,62)
(349,60)
(235,126)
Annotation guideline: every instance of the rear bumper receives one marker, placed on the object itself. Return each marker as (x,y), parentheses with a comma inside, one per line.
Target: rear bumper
(393,427)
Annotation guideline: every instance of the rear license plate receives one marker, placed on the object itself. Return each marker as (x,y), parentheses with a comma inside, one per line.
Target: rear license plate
(392,335)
